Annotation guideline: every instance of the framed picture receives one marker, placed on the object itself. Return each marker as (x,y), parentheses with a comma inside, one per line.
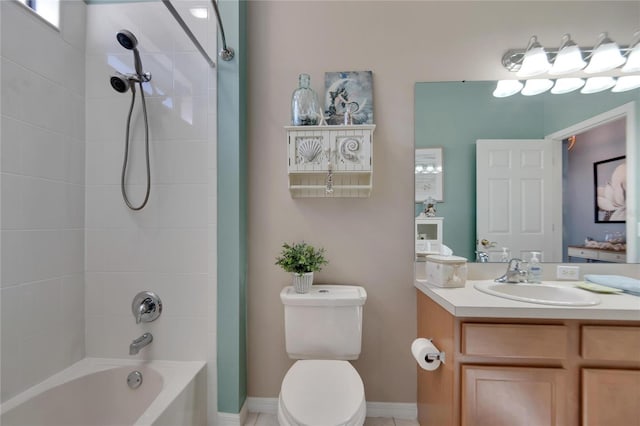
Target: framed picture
(429,174)
(610,190)
(348,92)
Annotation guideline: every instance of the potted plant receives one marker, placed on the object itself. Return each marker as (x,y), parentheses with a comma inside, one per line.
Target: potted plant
(302,260)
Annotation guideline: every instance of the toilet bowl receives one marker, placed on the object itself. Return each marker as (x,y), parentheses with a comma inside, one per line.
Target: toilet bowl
(323,330)
(322,393)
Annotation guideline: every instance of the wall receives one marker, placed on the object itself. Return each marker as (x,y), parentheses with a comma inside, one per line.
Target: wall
(601,143)
(42,174)
(169,246)
(232,214)
(369,242)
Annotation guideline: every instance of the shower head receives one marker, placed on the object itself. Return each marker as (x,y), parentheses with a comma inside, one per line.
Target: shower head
(120,82)
(129,42)
(127,39)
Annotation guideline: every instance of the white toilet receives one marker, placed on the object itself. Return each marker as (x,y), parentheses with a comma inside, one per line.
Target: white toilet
(323,329)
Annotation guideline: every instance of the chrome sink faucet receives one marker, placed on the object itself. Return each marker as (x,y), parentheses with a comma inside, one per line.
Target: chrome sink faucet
(140,343)
(516,272)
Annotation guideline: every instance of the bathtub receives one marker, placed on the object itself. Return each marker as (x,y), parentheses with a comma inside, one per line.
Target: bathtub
(94,392)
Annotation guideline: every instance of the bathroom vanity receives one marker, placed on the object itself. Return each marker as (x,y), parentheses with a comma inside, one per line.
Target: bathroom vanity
(517,363)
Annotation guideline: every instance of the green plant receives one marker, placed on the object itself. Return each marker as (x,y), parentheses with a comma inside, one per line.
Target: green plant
(301,258)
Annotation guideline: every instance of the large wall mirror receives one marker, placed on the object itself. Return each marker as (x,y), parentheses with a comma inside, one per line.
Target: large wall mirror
(585,145)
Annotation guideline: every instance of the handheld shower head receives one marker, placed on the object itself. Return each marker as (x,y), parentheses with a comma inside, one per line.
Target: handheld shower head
(130,42)
(120,82)
(127,39)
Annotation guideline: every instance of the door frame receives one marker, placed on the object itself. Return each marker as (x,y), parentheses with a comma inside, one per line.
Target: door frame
(627,111)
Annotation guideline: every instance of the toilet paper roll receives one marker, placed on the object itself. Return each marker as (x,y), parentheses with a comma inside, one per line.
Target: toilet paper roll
(422,347)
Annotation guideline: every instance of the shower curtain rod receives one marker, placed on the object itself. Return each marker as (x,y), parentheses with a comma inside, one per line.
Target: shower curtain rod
(226,53)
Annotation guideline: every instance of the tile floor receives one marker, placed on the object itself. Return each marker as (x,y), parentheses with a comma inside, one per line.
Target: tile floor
(261,419)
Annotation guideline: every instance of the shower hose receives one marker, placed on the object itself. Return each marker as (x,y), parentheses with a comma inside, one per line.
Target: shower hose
(126,150)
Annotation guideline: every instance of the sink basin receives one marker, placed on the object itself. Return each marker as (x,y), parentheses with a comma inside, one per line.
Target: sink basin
(546,294)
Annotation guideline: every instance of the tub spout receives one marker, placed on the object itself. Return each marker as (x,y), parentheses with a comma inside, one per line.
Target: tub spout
(140,343)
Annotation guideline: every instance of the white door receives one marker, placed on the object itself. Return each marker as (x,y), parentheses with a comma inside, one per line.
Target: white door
(518,202)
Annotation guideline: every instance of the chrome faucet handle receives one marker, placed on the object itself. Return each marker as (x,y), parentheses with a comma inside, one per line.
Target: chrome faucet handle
(146,307)
(514,274)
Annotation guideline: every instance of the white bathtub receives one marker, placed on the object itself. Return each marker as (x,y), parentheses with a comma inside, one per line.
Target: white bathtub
(94,392)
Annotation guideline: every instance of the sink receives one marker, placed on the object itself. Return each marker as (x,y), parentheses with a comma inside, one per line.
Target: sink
(546,294)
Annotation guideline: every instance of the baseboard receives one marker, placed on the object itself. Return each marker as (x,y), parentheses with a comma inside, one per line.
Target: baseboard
(398,410)
(234,419)
(262,405)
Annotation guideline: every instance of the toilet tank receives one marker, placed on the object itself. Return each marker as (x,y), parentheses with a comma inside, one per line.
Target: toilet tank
(325,323)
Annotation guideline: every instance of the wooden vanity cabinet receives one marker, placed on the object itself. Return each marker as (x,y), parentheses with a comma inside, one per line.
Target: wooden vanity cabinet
(529,372)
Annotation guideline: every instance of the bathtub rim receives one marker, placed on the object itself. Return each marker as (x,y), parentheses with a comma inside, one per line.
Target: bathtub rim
(176,376)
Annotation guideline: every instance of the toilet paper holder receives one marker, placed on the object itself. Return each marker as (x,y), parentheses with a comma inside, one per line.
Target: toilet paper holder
(435,356)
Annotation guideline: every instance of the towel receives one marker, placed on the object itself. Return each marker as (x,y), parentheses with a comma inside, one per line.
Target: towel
(627,284)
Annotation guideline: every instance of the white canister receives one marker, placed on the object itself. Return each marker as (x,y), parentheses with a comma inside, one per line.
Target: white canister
(446,271)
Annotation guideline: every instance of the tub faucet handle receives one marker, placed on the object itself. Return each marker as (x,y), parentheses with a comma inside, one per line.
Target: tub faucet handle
(146,307)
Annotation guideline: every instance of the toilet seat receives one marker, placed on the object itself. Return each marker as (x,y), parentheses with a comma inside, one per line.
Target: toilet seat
(322,393)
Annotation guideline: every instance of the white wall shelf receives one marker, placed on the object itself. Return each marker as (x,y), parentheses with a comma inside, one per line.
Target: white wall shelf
(428,235)
(330,161)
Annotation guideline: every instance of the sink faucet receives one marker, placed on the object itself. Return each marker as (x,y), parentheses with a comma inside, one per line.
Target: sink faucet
(515,272)
(482,257)
(140,343)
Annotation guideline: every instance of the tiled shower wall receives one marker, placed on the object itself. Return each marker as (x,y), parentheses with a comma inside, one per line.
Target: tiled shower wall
(169,246)
(43,198)
(73,255)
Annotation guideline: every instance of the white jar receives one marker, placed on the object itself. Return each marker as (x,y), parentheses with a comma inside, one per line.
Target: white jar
(446,271)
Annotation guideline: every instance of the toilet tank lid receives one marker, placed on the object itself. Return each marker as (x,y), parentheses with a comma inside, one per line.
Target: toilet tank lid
(325,295)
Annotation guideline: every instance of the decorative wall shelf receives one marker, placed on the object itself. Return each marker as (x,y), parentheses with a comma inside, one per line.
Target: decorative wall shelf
(330,161)
(428,235)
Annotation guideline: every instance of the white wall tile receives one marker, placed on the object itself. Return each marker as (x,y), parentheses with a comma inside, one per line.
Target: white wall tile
(35,255)
(29,97)
(11,359)
(73,22)
(11,150)
(164,247)
(11,194)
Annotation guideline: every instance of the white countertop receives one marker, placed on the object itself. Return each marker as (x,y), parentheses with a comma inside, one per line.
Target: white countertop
(468,302)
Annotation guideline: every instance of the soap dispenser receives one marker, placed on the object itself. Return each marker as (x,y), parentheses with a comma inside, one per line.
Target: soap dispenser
(535,268)
(505,255)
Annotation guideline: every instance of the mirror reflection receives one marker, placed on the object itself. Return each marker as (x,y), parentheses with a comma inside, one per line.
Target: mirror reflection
(570,195)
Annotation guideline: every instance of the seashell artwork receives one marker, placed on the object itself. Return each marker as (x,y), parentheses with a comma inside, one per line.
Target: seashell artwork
(349,149)
(308,150)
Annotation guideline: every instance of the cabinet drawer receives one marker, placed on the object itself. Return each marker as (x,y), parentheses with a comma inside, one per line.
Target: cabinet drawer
(514,340)
(584,253)
(611,343)
(612,257)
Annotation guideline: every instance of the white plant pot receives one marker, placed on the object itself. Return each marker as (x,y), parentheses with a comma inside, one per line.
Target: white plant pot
(302,282)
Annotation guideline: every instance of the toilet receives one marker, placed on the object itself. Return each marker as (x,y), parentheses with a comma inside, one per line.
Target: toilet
(323,330)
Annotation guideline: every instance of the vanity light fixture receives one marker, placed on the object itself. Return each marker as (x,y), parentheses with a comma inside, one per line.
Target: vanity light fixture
(598,84)
(566,85)
(605,56)
(428,169)
(569,58)
(507,88)
(535,61)
(627,82)
(536,86)
(633,56)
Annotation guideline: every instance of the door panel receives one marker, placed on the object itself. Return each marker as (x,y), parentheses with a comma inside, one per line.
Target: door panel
(515,196)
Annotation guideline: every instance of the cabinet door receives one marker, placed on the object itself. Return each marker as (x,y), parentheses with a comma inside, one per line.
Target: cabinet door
(513,396)
(351,150)
(610,397)
(308,150)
